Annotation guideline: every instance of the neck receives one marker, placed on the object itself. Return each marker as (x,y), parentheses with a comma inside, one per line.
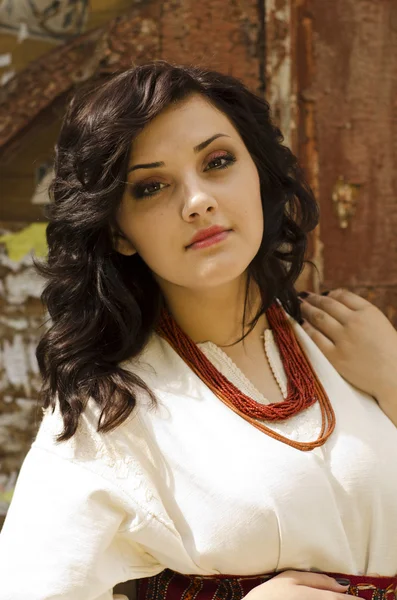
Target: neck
(215,314)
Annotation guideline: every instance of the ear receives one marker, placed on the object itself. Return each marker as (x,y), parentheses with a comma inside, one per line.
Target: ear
(122,245)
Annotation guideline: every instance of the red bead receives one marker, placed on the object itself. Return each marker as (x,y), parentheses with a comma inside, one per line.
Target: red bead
(304,388)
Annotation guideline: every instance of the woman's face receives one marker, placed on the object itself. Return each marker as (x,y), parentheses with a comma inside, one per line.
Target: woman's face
(189,171)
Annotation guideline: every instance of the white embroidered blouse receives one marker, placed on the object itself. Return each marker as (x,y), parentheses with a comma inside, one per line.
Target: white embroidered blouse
(193,487)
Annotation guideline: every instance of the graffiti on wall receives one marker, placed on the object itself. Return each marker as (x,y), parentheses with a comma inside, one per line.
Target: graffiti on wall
(47,19)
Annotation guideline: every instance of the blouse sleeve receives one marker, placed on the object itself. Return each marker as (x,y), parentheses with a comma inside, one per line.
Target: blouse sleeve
(67,534)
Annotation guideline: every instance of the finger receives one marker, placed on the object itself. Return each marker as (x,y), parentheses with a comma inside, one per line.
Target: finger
(349,299)
(321,321)
(340,312)
(322,341)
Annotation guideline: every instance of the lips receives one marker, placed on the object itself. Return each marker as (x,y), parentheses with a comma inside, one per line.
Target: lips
(204,234)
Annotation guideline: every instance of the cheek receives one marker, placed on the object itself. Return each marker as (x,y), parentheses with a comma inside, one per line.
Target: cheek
(257,194)
(152,237)
(256,216)
(252,203)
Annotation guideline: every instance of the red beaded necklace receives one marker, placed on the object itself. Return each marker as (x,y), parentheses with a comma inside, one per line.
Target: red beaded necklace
(304,388)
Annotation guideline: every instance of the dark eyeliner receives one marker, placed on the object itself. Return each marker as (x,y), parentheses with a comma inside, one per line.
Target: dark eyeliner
(137,189)
(228,156)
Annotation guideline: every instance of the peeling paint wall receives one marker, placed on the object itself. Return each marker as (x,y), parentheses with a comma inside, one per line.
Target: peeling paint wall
(21,317)
(281,88)
(332,83)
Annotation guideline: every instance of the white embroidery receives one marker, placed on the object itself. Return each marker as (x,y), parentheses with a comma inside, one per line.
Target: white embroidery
(275,362)
(229,369)
(108,454)
(303,427)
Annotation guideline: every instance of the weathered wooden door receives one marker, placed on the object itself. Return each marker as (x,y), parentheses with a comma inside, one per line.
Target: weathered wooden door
(336,62)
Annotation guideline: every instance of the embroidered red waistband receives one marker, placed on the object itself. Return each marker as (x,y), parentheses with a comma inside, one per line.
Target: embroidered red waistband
(170,585)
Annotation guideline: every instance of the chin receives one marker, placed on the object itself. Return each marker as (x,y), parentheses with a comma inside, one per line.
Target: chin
(220,276)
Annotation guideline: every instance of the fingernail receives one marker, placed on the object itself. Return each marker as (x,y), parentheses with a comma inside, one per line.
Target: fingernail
(303,294)
(342,581)
(325,293)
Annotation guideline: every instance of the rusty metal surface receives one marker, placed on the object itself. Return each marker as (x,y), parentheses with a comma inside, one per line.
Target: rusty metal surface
(355,94)
(306,148)
(132,37)
(345,56)
(222,34)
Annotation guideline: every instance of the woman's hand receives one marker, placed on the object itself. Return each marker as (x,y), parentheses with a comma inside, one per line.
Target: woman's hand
(300,585)
(358,340)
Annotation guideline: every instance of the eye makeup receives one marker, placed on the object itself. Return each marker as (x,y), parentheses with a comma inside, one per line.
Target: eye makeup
(148,188)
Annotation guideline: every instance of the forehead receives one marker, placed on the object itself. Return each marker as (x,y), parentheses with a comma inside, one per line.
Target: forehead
(184,125)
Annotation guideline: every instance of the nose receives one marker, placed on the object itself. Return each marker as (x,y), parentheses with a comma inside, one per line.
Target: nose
(197,203)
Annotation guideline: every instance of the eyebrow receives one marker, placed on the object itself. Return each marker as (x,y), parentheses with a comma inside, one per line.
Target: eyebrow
(196,150)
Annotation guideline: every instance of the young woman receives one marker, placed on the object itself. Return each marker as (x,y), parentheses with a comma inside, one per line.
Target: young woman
(196,438)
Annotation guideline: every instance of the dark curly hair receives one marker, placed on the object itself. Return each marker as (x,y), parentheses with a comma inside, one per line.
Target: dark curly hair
(103,306)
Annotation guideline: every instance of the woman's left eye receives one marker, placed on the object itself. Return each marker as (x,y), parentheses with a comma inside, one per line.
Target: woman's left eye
(221,162)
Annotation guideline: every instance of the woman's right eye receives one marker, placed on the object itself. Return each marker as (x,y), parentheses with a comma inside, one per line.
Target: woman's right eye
(144,190)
